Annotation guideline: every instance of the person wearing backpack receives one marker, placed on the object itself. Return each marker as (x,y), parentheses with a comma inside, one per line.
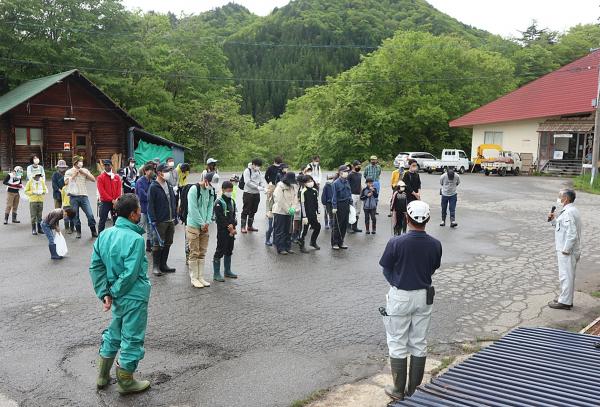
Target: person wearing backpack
(253,184)
(200,206)
(226,219)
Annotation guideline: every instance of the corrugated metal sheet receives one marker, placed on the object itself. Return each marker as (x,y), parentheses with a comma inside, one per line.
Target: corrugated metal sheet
(568,90)
(528,367)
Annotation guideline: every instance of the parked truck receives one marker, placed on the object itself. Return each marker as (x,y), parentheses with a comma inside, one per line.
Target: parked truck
(450,158)
(485,152)
(506,162)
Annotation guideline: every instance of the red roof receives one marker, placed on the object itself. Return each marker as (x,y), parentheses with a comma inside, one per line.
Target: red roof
(567,90)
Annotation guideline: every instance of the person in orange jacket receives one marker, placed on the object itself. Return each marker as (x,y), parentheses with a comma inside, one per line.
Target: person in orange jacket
(110,188)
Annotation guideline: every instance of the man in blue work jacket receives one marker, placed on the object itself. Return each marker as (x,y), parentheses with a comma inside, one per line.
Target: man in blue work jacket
(340,202)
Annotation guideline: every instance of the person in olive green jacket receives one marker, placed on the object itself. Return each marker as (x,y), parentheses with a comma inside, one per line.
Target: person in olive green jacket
(119,275)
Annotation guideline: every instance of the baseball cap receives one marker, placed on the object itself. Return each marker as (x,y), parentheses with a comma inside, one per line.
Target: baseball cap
(163,168)
(211,161)
(107,162)
(373,157)
(343,168)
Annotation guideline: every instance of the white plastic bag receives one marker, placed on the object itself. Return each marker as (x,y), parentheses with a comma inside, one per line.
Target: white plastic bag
(61,244)
(352,215)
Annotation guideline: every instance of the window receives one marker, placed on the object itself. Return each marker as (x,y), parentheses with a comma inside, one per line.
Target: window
(493,137)
(26,136)
(81,141)
(429,156)
(462,155)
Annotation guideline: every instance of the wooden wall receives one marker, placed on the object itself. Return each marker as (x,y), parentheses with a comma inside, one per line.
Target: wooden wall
(103,127)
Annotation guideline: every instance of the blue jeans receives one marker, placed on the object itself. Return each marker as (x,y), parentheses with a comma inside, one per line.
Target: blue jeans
(269,230)
(449,201)
(49,232)
(145,223)
(82,201)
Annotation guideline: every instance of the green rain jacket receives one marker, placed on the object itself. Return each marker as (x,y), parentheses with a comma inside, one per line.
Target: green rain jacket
(200,208)
(119,266)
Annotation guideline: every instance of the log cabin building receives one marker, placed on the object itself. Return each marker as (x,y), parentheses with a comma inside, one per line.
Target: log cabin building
(62,115)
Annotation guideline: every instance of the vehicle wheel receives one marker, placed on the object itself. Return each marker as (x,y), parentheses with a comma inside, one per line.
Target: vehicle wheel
(502,172)
(461,170)
(487,173)
(429,171)
(516,171)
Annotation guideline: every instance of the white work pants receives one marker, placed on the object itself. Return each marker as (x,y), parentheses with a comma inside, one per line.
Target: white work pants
(357,203)
(407,322)
(566,275)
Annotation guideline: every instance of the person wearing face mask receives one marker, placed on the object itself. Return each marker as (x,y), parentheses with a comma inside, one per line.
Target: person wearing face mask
(309,200)
(14,183)
(162,214)
(398,208)
(274,171)
(75,180)
(449,182)
(396,176)
(142,185)
(254,184)
(130,176)
(315,166)
(226,219)
(355,181)
(58,182)
(172,177)
(326,200)
(340,202)
(119,274)
(285,198)
(200,205)
(35,191)
(412,181)
(281,175)
(35,168)
(110,189)
(567,237)
(370,197)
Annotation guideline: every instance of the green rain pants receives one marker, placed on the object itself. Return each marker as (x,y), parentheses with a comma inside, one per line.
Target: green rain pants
(126,332)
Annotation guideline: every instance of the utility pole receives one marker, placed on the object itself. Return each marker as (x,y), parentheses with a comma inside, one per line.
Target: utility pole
(596,145)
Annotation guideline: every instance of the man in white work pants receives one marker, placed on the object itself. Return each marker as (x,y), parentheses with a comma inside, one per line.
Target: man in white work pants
(567,236)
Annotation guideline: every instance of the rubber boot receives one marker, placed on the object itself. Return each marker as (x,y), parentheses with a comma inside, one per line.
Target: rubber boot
(156,255)
(227,265)
(93,230)
(374,229)
(148,246)
(39,228)
(415,373)
(200,274)
(163,260)
(104,366)
(396,392)
(6,218)
(14,218)
(34,229)
(193,269)
(126,384)
(217,271)
(53,254)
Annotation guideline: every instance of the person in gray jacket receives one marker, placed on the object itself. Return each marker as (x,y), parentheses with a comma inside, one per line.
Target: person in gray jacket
(449,182)
(567,236)
(254,184)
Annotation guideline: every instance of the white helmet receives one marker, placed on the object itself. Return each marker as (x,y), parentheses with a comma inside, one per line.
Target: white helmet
(418,211)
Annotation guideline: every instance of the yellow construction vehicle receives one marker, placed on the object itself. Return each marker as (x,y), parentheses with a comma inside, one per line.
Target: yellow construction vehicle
(485,151)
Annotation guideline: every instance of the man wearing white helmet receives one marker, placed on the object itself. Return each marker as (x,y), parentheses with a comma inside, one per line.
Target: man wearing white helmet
(408,263)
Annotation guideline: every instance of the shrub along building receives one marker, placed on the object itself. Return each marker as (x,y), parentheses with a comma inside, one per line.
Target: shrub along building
(62,115)
(552,118)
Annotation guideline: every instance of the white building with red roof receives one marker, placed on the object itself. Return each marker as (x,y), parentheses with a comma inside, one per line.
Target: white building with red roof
(552,117)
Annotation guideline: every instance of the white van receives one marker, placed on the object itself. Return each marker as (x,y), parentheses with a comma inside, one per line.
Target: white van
(450,158)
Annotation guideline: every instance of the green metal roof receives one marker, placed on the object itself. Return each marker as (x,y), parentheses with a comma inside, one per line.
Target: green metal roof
(26,91)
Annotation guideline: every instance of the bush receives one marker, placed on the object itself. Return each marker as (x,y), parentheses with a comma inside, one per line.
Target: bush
(582,183)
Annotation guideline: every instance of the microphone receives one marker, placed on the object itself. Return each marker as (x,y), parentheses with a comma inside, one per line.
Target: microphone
(551,212)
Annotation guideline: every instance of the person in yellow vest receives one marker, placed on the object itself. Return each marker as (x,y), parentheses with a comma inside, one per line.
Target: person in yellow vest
(66,204)
(396,176)
(35,191)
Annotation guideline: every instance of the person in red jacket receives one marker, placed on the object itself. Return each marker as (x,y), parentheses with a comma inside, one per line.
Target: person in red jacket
(110,189)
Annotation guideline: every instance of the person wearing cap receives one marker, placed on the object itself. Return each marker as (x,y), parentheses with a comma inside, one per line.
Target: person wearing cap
(172,176)
(326,197)
(110,188)
(398,208)
(370,197)
(254,184)
(274,171)
(75,180)
(284,169)
(226,220)
(119,273)
(58,182)
(200,203)
(130,176)
(183,171)
(35,168)
(162,214)
(35,191)
(355,181)
(142,185)
(408,263)
(412,180)
(235,180)
(211,166)
(373,170)
(567,244)
(285,200)
(341,199)
(14,184)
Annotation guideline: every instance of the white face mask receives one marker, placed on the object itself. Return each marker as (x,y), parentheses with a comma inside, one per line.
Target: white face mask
(80,164)
(310,184)
(344,175)
(171,164)
(36,161)
(132,165)
(558,201)
(228,194)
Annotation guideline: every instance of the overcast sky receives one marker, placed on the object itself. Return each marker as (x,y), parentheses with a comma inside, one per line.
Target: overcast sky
(504,17)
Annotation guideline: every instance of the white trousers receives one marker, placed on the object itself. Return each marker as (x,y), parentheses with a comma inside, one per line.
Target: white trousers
(407,322)
(567,263)
(357,203)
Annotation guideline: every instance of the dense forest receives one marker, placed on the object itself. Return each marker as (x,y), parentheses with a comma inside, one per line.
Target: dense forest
(344,78)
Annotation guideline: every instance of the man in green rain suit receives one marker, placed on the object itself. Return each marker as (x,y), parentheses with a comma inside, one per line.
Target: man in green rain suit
(119,275)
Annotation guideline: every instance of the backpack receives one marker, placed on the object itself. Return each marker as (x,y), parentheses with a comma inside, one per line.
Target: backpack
(242,181)
(183,203)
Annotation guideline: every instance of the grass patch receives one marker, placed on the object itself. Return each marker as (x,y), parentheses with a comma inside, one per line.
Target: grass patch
(595,294)
(314,396)
(447,361)
(582,183)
